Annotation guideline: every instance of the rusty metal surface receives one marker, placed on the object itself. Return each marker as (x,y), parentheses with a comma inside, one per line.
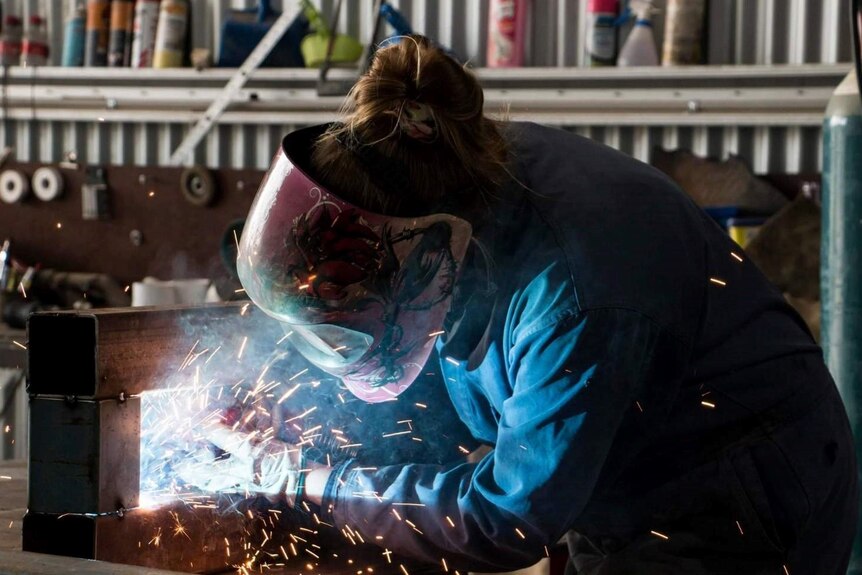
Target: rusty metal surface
(84,455)
(103,353)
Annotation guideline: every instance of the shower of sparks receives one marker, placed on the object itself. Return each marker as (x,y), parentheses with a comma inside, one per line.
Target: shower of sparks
(708,404)
(21,345)
(717,281)
(736,256)
(662,535)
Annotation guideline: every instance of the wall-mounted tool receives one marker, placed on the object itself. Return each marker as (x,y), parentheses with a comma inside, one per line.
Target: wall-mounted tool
(14,186)
(198,186)
(95,196)
(47,183)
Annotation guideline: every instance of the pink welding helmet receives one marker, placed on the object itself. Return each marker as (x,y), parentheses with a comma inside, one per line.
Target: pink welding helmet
(364,294)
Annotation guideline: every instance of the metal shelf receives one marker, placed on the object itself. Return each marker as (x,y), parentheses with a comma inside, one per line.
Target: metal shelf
(792,95)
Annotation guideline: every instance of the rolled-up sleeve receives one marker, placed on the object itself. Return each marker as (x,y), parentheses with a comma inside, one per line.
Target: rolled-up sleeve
(573,378)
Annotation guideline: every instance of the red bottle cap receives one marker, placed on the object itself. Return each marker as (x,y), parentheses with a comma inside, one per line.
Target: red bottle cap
(36,20)
(604,6)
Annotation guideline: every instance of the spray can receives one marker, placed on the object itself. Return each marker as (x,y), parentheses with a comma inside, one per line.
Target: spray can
(34,49)
(97,33)
(602,32)
(507,30)
(73,41)
(120,44)
(639,48)
(10,40)
(683,33)
(171,34)
(144,33)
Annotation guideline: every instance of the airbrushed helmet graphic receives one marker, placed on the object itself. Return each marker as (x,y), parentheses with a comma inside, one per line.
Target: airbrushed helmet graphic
(364,294)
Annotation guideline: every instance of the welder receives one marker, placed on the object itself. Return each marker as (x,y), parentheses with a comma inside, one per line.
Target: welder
(647,395)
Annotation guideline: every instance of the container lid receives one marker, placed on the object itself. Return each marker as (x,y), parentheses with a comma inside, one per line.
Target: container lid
(36,20)
(604,6)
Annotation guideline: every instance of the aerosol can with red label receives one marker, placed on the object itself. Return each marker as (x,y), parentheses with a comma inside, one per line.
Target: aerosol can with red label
(507,32)
(144,33)
(602,32)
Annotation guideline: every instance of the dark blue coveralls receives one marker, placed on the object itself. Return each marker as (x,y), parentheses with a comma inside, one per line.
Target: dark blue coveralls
(648,395)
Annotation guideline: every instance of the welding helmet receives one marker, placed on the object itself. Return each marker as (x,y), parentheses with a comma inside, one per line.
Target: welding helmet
(364,294)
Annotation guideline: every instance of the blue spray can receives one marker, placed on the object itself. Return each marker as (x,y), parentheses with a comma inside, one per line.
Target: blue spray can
(73,38)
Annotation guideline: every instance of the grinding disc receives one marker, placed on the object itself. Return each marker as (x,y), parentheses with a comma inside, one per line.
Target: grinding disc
(198,186)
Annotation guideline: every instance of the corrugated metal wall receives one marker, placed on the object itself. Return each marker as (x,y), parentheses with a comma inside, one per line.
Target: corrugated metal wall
(740,32)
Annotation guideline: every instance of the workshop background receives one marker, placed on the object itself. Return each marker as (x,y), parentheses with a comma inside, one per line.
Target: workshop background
(102,208)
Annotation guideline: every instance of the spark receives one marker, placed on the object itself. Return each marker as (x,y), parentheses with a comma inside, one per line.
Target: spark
(312,553)
(786,572)
(453,361)
(388,554)
(21,345)
(436,333)
(151,194)
(349,445)
(708,404)
(395,513)
(59,225)
(404,569)
(298,374)
(662,535)
(738,526)
(463,449)
(23,291)
(244,309)
(736,256)
(242,347)
(301,415)
(718,281)
(8,428)
(157,539)
(127,289)
(287,335)
(547,553)
(445,567)
(394,433)
(410,504)
(240,290)
(449,520)
(10,524)
(288,393)
(6,477)
(520,533)
(303,286)
(421,406)
(638,403)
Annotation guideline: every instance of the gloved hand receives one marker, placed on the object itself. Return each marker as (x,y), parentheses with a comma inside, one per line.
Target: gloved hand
(250,465)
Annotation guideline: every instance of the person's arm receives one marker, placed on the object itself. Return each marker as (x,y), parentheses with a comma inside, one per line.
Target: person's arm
(574,378)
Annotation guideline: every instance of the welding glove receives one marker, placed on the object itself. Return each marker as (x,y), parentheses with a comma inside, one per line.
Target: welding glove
(250,464)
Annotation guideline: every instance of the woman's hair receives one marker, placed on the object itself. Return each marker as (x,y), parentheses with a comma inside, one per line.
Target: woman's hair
(417,137)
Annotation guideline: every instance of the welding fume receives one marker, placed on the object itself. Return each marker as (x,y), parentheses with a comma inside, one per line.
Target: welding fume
(650,403)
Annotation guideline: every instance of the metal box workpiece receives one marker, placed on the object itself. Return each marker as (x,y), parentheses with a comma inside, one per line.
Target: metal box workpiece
(86,372)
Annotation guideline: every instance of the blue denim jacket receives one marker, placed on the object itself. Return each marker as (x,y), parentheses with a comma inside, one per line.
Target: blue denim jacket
(615,346)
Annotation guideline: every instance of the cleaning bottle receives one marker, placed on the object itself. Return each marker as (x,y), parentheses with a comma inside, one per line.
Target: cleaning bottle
(34,49)
(73,34)
(507,30)
(601,32)
(639,48)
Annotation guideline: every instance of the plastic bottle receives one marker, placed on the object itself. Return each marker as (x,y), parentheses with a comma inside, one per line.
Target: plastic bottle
(602,32)
(34,48)
(507,31)
(74,39)
(10,40)
(171,34)
(639,48)
(144,33)
(683,33)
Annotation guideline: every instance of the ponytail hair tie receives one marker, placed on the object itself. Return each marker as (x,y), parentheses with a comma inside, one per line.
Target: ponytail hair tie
(417,121)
